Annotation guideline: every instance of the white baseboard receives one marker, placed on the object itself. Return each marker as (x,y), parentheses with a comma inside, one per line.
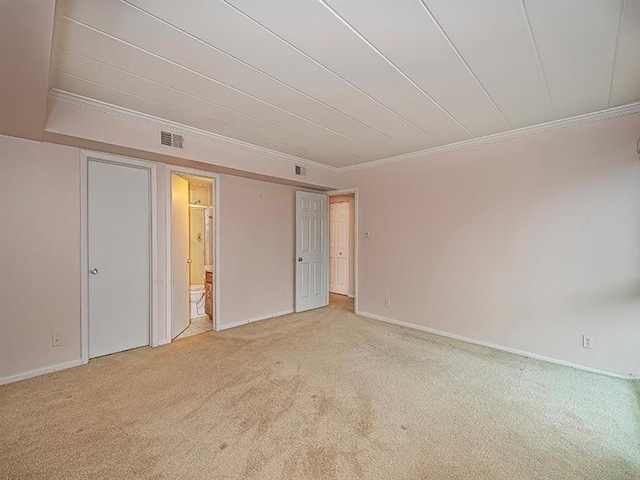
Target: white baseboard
(273,315)
(254,319)
(39,371)
(493,345)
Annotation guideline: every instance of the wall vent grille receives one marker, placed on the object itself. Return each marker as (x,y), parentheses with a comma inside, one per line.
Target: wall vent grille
(171,139)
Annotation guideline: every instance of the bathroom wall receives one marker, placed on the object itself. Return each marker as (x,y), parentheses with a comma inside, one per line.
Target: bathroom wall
(197,244)
(199,194)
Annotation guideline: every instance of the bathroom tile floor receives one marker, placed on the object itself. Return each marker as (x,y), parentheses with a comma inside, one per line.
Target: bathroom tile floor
(198,325)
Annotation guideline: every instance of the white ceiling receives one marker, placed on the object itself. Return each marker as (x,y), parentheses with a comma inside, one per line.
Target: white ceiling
(342,82)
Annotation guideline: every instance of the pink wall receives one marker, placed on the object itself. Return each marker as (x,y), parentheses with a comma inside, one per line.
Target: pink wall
(26,32)
(39,255)
(527,244)
(256,248)
(84,122)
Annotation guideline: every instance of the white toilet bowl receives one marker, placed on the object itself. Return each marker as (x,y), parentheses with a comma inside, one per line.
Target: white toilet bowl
(196,300)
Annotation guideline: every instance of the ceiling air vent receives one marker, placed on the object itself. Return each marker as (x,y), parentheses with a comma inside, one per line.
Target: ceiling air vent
(171,139)
(300,170)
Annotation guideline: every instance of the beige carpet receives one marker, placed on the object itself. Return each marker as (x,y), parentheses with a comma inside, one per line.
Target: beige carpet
(320,395)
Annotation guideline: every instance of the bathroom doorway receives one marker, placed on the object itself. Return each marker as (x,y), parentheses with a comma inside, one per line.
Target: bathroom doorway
(192,252)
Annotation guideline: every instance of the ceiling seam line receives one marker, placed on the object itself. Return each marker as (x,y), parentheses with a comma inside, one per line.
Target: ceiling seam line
(623,10)
(252,68)
(210,79)
(129,114)
(293,132)
(464,62)
(207,44)
(538,57)
(190,113)
(397,69)
(331,72)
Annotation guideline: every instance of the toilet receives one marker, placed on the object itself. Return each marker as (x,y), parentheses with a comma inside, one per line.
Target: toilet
(196,301)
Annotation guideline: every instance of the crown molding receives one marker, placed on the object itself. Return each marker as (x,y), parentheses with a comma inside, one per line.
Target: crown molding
(125,113)
(175,127)
(623,110)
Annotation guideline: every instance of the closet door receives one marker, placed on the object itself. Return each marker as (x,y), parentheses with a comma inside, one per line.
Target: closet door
(119,225)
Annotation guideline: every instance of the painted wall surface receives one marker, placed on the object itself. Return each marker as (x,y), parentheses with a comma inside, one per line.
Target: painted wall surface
(39,255)
(352,243)
(83,122)
(257,249)
(26,33)
(528,243)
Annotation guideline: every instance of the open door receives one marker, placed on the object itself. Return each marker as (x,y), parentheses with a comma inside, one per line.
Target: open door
(179,255)
(312,251)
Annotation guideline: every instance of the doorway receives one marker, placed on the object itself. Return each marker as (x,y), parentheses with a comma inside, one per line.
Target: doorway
(192,239)
(342,250)
(316,239)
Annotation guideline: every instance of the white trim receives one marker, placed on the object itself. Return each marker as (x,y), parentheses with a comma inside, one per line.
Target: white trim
(216,273)
(233,325)
(482,343)
(175,127)
(40,371)
(85,156)
(255,319)
(267,317)
(127,114)
(578,120)
(356,249)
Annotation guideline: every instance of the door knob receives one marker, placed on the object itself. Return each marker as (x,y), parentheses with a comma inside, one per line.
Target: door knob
(94,271)
(189,261)
(299,259)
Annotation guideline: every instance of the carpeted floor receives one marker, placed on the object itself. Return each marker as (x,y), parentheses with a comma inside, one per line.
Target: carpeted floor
(320,395)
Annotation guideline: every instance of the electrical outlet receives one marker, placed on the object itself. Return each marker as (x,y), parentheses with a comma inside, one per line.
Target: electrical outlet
(56,340)
(387,302)
(587,341)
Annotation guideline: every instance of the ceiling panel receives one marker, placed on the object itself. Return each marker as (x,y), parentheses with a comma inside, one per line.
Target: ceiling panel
(577,42)
(220,24)
(421,51)
(313,28)
(157,39)
(115,97)
(625,86)
(493,38)
(342,82)
(101,74)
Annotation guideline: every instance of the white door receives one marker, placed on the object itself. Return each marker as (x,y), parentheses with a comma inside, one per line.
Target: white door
(339,248)
(312,253)
(119,225)
(179,255)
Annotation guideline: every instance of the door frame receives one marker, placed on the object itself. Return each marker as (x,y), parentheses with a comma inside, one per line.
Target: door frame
(171,169)
(356,283)
(85,156)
